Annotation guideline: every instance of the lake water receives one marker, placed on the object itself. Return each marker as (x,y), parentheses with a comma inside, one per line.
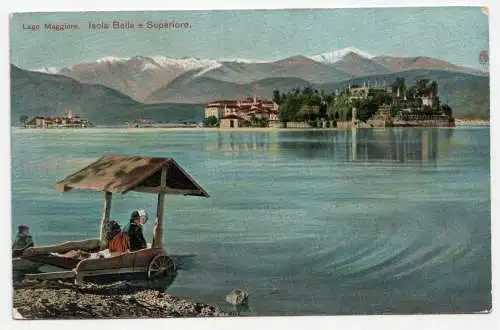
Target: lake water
(308,222)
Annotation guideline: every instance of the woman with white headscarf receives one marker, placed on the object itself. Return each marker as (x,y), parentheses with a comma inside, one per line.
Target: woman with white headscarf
(134,230)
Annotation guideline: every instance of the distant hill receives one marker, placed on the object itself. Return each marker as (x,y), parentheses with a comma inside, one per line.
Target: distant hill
(133,82)
(40,94)
(397,64)
(157,78)
(467,94)
(203,89)
(358,66)
(136,76)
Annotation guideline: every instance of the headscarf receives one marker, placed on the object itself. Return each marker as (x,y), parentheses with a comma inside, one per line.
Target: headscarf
(138,214)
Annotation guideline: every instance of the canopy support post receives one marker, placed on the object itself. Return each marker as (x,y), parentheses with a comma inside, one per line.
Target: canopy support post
(158,230)
(105,217)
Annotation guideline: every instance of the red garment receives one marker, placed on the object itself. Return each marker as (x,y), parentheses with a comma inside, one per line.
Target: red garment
(119,243)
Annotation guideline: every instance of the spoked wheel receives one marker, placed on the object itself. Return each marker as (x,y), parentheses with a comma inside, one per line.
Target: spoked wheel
(160,266)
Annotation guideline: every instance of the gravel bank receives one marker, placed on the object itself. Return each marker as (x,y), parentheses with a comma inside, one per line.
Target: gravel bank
(59,300)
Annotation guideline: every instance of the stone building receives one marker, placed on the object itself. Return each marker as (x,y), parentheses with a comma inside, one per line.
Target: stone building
(231,121)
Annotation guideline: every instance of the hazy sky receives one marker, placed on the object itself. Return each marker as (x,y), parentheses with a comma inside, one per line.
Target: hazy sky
(455,34)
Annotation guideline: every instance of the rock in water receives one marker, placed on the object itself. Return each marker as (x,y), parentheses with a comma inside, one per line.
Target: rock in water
(237,297)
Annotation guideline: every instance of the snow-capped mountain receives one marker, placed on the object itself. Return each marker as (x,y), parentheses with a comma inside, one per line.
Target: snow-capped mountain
(135,76)
(158,62)
(148,63)
(189,63)
(111,59)
(141,76)
(337,55)
(47,70)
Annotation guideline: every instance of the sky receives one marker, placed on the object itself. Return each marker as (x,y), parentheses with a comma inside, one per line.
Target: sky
(454,34)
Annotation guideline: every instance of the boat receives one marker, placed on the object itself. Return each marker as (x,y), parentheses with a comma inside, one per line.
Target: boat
(112,174)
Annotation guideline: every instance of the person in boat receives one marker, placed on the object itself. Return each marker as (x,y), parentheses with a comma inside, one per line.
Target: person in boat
(116,238)
(22,241)
(134,230)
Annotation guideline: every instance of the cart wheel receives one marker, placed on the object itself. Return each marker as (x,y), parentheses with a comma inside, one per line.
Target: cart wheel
(161,265)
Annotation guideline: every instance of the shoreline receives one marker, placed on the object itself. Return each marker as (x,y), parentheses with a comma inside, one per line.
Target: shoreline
(472,122)
(458,123)
(59,300)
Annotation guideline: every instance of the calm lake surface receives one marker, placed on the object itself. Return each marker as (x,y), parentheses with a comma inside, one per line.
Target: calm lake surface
(308,222)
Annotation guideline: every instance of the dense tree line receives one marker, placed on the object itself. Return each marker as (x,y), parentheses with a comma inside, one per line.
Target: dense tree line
(211,121)
(303,105)
(310,104)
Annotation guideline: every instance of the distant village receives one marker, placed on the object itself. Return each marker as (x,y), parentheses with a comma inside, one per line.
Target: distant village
(250,112)
(367,105)
(70,120)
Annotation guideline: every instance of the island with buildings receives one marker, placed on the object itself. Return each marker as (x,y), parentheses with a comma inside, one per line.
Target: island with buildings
(250,112)
(68,120)
(366,105)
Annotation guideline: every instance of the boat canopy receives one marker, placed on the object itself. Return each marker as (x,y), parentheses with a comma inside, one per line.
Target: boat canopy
(121,174)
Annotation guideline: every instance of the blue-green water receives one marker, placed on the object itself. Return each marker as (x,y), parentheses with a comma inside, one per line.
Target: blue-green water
(308,222)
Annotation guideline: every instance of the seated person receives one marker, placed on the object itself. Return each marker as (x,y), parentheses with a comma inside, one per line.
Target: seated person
(116,239)
(119,243)
(112,228)
(134,231)
(23,240)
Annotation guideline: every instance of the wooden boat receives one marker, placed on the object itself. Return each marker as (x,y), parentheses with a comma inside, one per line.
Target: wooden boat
(113,174)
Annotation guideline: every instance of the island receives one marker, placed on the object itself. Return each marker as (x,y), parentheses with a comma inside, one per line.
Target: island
(68,120)
(367,105)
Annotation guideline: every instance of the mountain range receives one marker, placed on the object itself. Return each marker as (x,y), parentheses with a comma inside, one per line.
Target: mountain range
(141,82)
(40,94)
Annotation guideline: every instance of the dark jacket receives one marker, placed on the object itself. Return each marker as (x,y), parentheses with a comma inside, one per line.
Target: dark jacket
(136,237)
(21,243)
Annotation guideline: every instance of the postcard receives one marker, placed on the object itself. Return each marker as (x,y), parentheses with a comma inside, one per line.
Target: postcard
(286,162)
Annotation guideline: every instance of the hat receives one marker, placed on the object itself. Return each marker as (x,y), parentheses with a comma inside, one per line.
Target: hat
(21,227)
(138,214)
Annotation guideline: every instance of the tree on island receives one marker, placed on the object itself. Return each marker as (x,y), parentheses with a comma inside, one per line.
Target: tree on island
(303,105)
(446,109)
(340,108)
(256,121)
(23,119)
(433,88)
(276,96)
(211,121)
(399,85)
(310,104)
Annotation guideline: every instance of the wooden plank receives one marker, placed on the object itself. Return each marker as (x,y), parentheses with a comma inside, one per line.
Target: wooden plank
(111,271)
(166,190)
(140,258)
(51,275)
(84,245)
(20,264)
(123,260)
(51,269)
(57,261)
(105,217)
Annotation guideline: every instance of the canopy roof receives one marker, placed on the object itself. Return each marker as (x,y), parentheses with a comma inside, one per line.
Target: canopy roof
(120,174)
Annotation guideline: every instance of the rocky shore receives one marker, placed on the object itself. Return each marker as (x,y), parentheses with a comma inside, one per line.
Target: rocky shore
(60,300)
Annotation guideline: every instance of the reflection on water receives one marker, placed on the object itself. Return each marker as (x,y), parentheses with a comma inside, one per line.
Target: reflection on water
(241,142)
(415,146)
(402,146)
(307,222)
